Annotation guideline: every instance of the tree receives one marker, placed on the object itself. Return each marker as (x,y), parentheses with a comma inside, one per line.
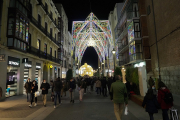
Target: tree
(118,71)
(69,75)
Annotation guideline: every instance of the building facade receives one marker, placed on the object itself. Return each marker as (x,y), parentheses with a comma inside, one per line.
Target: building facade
(30,40)
(133,42)
(163,26)
(65,39)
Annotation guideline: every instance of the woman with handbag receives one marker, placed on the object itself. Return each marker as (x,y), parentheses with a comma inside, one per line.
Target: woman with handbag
(34,88)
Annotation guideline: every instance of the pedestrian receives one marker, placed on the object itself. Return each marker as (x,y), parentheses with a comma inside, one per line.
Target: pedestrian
(85,86)
(27,86)
(98,86)
(81,91)
(57,86)
(33,90)
(150,100)
(151,82)
(8,90)
(44,87)
(72,87)
(36,89)
(104,87)
(162,92)
(110,81)
(119,96)
(52,94)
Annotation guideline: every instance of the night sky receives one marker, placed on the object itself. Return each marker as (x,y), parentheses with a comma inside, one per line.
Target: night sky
(78,10)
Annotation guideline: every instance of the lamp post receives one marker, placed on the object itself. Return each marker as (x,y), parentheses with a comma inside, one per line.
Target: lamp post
(113,52)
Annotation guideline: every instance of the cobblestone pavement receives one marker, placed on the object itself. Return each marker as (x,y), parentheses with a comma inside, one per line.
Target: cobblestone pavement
(93,107)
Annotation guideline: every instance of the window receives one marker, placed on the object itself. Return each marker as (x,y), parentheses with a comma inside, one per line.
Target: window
(55,37)
(51,32)
(38,44)
(55,20)
(51,51)
(46,7)
(51,15)
(39,19)
(46,26)
(45,48)
(55,53)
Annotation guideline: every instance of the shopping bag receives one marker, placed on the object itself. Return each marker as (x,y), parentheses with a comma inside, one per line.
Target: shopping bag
(174,114)
(126,110)
(38,93)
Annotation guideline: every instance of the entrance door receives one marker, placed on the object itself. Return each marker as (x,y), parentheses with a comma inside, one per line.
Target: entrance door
(45,73)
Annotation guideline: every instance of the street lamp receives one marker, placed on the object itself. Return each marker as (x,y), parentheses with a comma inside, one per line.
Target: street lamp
(113,52)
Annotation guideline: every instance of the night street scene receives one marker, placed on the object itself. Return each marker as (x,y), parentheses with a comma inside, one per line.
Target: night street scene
(89,60)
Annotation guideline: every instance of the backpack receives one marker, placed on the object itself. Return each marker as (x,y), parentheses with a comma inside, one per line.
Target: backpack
(168,98)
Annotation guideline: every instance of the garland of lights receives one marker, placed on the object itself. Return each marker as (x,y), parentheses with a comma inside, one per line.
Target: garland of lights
(91,32)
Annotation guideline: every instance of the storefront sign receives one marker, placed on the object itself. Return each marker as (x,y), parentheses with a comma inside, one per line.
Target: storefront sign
(38,65)
(51,66)
(2,57)
(13,61)
(28,64)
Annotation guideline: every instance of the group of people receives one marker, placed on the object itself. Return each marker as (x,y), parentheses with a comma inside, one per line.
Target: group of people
(161,99)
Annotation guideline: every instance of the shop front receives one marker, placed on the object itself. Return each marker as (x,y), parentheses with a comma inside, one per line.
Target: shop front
(12,71)
(27,72)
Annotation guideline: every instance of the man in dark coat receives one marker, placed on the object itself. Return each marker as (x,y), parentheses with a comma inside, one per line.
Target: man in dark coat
(72,87)
(57,86)
(27,86)
(44,86)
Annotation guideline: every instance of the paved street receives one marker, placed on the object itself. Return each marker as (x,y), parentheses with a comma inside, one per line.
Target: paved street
(94,107)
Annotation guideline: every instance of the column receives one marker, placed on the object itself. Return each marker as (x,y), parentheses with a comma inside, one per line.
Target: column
(3,78)
(142,80)
(20,78)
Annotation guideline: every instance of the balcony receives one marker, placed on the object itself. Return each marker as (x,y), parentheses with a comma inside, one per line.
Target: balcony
(136,57)
(41,54)
(39,26)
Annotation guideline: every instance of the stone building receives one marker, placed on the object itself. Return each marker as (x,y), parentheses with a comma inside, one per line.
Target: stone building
(30,42)
(163,20)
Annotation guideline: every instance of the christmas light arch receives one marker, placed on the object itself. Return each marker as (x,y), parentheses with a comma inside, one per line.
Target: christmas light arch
(91,32)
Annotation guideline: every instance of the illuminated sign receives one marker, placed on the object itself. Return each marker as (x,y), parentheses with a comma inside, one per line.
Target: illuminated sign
(51,66)
(38,67)
(28,65)
(141,64)
(13,63)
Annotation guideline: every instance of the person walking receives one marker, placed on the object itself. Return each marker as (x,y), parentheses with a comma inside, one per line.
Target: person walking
(57,86)
(110,81)
(72,87)
(162,93)
(33,90)
(34,83)
(104,87)
(98,86)
(81,91)
(44,87)
(64,88)
(150,100)
(118,96)
(27,86)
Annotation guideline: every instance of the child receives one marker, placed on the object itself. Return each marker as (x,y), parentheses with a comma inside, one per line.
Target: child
(151,103)
(8,91)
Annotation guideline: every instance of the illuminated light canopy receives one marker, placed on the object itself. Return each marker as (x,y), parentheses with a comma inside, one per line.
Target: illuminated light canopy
(92,32)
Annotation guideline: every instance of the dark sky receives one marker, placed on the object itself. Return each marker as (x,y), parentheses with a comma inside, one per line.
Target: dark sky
(78,10)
